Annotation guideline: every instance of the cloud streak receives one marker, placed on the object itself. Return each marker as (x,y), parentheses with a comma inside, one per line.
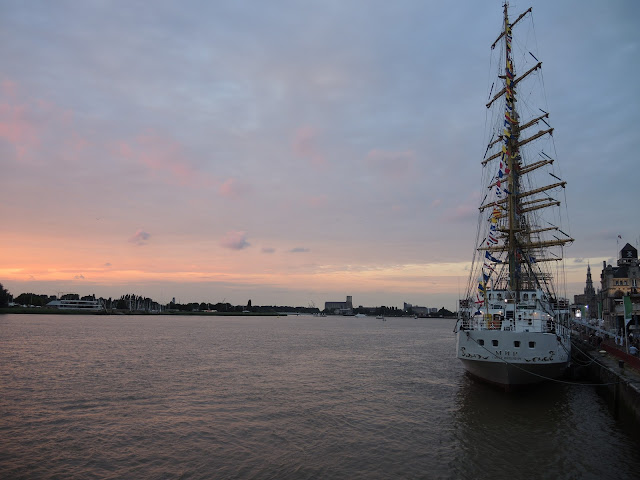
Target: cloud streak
(140,238)
(235,240)
(305,145)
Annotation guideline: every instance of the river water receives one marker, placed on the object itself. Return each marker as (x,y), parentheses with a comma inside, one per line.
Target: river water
(290,397)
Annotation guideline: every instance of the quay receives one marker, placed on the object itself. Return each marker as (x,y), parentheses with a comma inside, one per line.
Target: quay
(616,373)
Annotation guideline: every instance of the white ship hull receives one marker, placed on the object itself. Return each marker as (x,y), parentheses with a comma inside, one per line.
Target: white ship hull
(511,359)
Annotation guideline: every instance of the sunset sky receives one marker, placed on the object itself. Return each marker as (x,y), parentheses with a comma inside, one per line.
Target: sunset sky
(291,152)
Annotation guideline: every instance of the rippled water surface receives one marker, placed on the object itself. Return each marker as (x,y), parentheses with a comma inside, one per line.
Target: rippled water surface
(281,398)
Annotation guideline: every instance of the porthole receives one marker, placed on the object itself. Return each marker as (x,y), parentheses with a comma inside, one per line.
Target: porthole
(532,344)
(494,343)
(516,343)
(480,342)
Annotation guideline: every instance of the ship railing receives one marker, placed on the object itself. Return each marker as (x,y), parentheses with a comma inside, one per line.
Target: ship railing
(507,325)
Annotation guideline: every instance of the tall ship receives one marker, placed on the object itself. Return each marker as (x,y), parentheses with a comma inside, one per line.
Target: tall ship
(512,327)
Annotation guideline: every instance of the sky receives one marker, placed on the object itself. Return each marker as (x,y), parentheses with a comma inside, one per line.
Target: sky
(291,152)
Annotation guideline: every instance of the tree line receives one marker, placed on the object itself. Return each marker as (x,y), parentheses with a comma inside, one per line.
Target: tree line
(133,302)
(140,303)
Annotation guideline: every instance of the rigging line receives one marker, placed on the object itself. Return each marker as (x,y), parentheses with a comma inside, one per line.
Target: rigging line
(535,41)
(534,57)
(581,364)
(593,359)
(470,279)
(575,360)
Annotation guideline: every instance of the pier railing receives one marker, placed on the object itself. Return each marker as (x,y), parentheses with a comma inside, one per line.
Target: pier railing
(607,340)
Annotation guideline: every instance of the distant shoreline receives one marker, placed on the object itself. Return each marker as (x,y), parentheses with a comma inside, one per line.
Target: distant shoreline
(56,311)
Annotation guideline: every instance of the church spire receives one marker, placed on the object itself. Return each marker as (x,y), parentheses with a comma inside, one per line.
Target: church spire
(588,289)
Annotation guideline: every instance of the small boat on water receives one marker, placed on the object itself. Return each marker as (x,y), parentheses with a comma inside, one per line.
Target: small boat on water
(512,326)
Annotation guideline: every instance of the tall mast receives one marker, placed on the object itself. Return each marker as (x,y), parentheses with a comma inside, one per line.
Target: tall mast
(511,134)
(514,233)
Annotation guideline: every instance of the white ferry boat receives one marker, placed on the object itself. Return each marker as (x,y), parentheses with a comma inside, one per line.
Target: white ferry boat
(87,305)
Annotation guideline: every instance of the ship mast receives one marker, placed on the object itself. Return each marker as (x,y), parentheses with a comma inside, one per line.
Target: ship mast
(512,133)
(516,232)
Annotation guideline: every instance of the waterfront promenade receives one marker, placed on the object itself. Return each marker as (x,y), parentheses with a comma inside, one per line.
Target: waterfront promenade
(600,359)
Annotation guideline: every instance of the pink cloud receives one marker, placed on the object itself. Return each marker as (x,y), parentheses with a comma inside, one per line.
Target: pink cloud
(9,88)
(235,240)
(77,144)
(319,201)
(161,154)
(165,158)
(466,211)
(463,213)
(305,146)
(26,125)
(231,187)
(393,164)
(17,129)
(140,238)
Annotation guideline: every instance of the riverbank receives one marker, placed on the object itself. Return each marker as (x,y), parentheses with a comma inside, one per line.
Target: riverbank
(617,372)
(56,311)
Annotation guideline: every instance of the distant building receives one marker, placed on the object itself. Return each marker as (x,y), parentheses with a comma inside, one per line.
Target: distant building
(617,283)
(420,311)
(340,308)
(587,302)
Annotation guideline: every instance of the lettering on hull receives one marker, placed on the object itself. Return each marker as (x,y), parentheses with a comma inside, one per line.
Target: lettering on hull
(465,354)
(541,359)
(508,355)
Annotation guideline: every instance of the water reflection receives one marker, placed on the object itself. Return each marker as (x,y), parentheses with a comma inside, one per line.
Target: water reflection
(550,431)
